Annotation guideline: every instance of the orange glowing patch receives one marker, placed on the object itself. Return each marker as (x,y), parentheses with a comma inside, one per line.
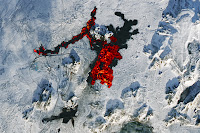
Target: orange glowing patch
(102,70)
(105,73)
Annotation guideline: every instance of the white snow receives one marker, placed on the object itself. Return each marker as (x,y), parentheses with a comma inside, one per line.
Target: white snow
(155,83)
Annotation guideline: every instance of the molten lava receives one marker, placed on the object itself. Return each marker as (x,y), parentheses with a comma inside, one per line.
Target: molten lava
(108,53)
(84,32)
(101,70)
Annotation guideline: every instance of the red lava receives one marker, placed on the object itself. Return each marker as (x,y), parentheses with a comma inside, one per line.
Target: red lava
(102,70)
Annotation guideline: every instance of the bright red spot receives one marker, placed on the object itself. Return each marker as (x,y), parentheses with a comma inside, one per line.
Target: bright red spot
(113,39)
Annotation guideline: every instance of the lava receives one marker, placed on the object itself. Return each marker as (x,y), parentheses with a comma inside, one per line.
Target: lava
(84,32)
(102,70)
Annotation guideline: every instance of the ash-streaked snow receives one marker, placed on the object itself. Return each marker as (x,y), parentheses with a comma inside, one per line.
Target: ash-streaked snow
(155,86)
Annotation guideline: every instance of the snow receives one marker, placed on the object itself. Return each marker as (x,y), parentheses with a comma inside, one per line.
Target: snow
(155,86)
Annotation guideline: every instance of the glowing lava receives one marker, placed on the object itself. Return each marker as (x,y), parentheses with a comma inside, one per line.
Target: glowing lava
(102,69)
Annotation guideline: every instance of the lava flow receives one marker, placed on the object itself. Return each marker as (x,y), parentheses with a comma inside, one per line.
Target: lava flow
(102,69)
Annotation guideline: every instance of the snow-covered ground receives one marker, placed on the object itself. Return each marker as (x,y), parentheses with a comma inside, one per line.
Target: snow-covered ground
(156,84)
